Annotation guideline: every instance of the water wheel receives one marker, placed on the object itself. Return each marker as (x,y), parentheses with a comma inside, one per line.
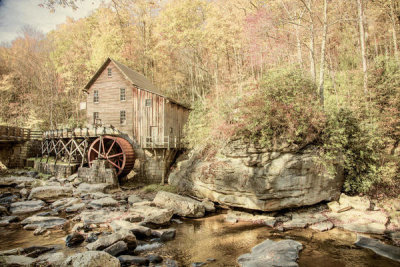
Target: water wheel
(116,150)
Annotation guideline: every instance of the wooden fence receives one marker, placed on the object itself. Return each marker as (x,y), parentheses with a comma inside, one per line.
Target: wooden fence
(10,134)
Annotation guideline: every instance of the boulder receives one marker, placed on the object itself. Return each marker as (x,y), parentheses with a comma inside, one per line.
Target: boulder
(373,222)
(151,214)
(51,259)
(35,251)
(103,202)
(34,222)
(74,239)
(182,206)
(208,205)
(91,188)
(7,199)
(117,248)
(136,229)
(17,260)
(128,260)
(65,202)
(50,193)
(100,216)
(23,207)
(379,248)
(303,219)
(271,253)
(92,259)
(246,176)
(107,240)
(154,258)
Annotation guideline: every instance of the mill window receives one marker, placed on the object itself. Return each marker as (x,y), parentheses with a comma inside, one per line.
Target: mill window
(96,118)
(122,117)
(122,96)
(96,96)
(148,102)
(109,70)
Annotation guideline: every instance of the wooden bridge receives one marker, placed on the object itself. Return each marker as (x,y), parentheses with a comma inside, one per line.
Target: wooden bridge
(16,134)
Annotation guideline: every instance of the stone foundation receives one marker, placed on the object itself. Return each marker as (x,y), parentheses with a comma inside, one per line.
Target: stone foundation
(15,155)
(100,172)
(59,170)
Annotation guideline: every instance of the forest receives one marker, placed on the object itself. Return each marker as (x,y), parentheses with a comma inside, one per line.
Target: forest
(285,74)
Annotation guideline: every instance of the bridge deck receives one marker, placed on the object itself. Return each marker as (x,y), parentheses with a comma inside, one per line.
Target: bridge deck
(17,134)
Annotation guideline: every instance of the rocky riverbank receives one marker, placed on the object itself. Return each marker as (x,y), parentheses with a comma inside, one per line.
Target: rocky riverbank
(101,225)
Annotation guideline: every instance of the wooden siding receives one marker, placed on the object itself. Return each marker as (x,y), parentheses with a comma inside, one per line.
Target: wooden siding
(110,105)
(140,119)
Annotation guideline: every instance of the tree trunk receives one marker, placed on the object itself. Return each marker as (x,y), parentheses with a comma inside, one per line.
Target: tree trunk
(312,54)
(394,34)
(323,51)
(360,4)
(298,44)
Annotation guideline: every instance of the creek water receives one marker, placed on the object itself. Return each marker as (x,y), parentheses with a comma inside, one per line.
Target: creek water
(211,237)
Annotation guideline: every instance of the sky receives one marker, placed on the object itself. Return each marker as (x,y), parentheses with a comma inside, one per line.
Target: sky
(14,14)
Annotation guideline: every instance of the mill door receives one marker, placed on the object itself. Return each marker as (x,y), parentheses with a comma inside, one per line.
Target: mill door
(154,134)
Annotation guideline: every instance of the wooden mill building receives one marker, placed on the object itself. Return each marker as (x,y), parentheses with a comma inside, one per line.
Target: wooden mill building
(125,99)
(122,97)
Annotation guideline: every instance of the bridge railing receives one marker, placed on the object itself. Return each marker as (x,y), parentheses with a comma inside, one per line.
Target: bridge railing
(9,133)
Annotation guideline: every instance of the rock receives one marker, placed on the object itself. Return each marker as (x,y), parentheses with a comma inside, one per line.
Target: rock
(134,199)
(52,259)
(35,251)
(128,260)
(24,192)
(235,216)
(74,239)
(182,206)
(6,200)
(14,251)
(379,248)
(103,202)
(39,231)
(208,205)
(3,210)
(146,247)
(7,220)
(65,202)
(152,214)
(197,264)
(136,229)
(32,174)
(92,259)
(153,258)
(35,222)
(75,207)
(303,219)
(271,253)
(50,193)
(164,234)
(15,180)
(105,241)
(272,182)
(26,206)
(47,213)
(91,238)
(72,177)
(372,222)
(171,263)
(356,202)
(17,260)
(99,216)
(322,226)
(117,248)
(90,188)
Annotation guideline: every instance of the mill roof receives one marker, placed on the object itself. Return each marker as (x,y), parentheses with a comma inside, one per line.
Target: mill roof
(132,76)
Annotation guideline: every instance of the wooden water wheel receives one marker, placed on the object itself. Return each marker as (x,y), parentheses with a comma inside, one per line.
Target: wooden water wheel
(116,150)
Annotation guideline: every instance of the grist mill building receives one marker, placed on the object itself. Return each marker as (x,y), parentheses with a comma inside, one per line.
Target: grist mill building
(152,122)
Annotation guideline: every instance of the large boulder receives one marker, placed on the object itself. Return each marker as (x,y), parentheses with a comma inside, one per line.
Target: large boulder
(182,206)
(92,259)
(17,260)
(23,207)
(271,253)
(151,214)
(108,240)
(247,176)
(50,193)
(16,180)
(91,188)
